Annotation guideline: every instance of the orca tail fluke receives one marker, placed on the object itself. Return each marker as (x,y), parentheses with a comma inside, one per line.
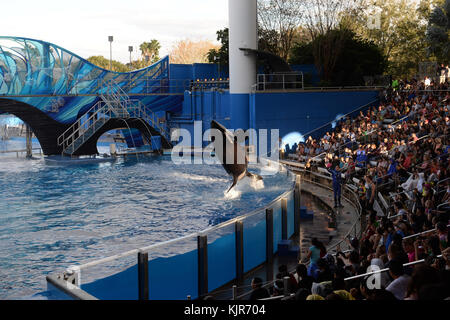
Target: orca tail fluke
(254,176)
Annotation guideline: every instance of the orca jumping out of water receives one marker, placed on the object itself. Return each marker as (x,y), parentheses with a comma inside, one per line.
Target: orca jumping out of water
(229,145)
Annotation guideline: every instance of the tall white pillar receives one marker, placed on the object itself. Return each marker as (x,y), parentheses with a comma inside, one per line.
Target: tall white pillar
(242,34)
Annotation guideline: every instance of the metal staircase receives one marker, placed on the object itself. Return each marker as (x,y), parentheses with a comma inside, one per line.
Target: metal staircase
(114,104)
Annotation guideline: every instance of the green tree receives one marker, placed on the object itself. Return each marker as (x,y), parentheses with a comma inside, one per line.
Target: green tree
(302,53)
(400,33)
(102,62)
(150,51)
(341,57)
(438,31)
(220,55)
(268,41)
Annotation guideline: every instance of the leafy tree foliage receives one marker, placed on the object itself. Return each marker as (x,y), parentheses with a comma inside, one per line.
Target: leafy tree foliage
(278,21)
(103,62)
(220,55)
(341,57)
(150,51)
(438,32)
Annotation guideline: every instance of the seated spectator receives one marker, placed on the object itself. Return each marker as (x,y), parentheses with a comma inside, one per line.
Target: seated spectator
(422,275)
(302,294)
(434,291)
(292,283)
(303,280)
(340,290)
(324,272)
(258,291)
(408,246)
(314,297)
(381,295)
(278,287)
(399,286)
(408,136)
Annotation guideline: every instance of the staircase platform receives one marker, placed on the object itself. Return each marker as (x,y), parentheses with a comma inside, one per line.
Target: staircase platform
(64,160)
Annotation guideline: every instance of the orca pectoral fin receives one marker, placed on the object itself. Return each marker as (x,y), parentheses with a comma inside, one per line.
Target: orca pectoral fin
(254,176)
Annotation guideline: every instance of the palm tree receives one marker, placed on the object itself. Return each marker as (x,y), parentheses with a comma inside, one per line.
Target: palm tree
(150,51)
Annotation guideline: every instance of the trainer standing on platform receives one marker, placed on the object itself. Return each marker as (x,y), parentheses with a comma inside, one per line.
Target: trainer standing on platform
(336,175)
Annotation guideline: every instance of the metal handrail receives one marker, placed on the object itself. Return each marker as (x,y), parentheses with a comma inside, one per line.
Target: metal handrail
(99,107)
(114,101)
(443,204)
(95,120)
(359,208)
(144,112)
(62,138)
(387,269)
(421,233)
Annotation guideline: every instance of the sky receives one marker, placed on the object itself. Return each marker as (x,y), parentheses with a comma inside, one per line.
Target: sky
(83,26)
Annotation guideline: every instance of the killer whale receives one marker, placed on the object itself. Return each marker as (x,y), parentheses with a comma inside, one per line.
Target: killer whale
(229,150)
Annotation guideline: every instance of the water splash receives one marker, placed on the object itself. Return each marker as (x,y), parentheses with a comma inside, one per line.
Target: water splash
(232,194)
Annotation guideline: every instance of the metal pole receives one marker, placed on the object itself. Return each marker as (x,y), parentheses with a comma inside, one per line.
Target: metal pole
(143,275)
(285,285)
(234,292)
(110,39)
(284,222)
(269,235)
(297,206)
(29,142)
(202,251)
(239,231)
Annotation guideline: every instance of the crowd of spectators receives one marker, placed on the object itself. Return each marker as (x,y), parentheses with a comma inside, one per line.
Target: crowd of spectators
(400,150)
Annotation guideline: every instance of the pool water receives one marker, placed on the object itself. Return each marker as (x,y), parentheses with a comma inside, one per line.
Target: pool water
(55,216)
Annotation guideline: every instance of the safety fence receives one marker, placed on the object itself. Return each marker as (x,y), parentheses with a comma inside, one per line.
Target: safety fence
(193,265)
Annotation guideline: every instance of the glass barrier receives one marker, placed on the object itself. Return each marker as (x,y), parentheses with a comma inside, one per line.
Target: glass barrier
(221,255)
(254,239)
(290,213)
(173,266)
(112,280)
(277,225)
(173,270)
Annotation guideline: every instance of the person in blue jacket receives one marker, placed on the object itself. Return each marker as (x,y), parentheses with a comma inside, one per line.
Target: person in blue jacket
(336,175)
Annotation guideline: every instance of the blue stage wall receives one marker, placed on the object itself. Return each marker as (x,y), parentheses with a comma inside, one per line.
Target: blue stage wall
(304,112)
(300,112)
(196,71)
(204,71)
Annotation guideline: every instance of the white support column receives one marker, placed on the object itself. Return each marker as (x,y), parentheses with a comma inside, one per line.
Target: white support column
(243,34)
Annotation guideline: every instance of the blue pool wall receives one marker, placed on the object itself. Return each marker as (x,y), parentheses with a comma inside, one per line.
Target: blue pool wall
(289,112)
(176,277)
